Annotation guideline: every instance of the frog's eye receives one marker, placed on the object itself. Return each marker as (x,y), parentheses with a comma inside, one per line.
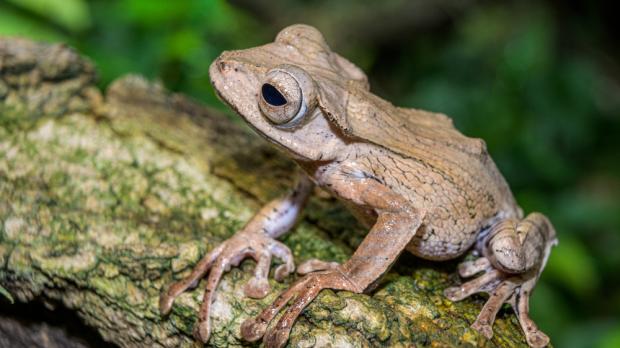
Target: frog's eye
(272,96)
(286,96)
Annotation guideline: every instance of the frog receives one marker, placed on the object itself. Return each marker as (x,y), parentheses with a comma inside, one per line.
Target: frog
(408,175)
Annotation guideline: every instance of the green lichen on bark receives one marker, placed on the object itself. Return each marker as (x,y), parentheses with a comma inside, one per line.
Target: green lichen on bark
(105,201)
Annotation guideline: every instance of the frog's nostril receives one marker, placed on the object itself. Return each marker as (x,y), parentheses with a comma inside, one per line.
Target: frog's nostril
(272,96)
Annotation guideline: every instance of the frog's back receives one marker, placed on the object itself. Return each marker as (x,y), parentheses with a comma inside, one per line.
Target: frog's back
(448,175)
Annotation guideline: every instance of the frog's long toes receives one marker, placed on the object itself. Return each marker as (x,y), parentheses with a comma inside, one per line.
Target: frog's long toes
(315,265)
(537,339)
(470,268)
(202,331)
(257,288)
(281,251)
(165,304)
(166,299)
(277,338)
(281,272)
(480,284)
(484,328)
(253,329)
(454,293)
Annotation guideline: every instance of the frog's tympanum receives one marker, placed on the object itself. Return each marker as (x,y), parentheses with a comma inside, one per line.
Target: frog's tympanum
(409,175)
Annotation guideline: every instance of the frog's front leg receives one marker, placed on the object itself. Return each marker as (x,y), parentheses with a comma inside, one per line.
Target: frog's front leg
(396,224)
(514,254)
(255,240)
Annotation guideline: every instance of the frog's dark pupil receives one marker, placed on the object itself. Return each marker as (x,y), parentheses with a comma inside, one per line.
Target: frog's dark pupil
(272,95)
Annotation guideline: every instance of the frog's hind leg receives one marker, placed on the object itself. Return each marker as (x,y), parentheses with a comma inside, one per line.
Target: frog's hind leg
(514,255)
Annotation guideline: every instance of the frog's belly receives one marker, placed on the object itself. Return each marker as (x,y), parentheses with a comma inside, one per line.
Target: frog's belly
(432,244)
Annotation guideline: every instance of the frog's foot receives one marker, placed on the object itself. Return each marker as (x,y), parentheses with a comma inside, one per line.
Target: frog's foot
(301,293)
(315,265)
(502,288)
(515,253)
(258,246)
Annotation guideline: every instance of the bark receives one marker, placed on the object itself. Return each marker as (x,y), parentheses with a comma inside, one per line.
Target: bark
(106,199)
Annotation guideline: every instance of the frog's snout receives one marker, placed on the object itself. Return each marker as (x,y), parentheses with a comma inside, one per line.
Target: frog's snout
(219,68)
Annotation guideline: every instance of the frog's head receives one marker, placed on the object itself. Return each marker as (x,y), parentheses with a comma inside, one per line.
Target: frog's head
(292,91)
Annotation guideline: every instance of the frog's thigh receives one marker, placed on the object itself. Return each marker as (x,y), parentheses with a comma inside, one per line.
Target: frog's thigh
(433,243)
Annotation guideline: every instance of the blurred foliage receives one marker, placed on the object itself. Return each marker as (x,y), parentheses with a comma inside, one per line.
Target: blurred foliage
(539,81)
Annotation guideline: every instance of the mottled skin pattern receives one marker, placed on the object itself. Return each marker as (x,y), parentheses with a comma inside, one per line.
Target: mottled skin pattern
(409,175)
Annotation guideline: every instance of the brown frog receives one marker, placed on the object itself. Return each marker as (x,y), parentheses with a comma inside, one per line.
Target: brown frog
(409,175)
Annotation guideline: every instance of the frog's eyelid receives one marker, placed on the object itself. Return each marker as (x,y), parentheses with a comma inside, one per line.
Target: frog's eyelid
(303,108)
(303,105)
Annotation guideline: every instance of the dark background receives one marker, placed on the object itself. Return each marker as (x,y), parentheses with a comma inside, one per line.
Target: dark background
(538,80)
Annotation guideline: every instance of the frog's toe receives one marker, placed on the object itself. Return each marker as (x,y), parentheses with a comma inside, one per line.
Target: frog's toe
(257,288)
(470,268)
(537,339)
(481,284)
(166,300)
(300,294)
(520,302)
(258,285)
(315,265)
(497,297)
(254,328)
(202,331)
(282,252)
(277,337)
(493,282)
(484,328)
(500,291)
(502,288)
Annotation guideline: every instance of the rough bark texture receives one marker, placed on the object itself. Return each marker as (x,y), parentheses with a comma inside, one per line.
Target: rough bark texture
(104,200)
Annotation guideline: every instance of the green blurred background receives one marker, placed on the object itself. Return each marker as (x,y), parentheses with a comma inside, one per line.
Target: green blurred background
(538,80)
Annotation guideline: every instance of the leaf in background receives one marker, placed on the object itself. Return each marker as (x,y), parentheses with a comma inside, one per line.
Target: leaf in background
(573,266)
(70,14)
(13,24)
(553,322)
(528,51)
(183,43)
(152,13)
(611,339)
(588,334)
